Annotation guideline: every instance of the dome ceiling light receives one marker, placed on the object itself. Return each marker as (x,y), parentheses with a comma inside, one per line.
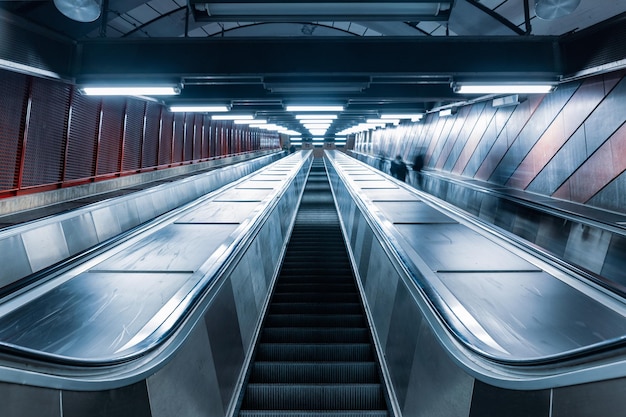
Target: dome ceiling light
(553,9)
(80,10)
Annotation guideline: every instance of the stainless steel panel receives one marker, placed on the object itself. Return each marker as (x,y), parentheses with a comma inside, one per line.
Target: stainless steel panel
(587,246)
(365,177)
(437,387)
(26,401)
(127,214)
(219,212)
(145,208)
(45,245)
(127,401)
(12,248)
(454,247)
(257,274)
(533,315)
(245,194)
(380,290)
(225,340)
(615,263)
(106,223)
(92,315)
(245,302)
(80,233)
(399,194)
(177,247)
(269,177)
(412,212)
(382,184)
(488,401)
(604,398)
(406,319)
(187,386)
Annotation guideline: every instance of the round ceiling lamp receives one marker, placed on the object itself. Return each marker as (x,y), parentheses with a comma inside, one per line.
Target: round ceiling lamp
(80,10)
(553,9)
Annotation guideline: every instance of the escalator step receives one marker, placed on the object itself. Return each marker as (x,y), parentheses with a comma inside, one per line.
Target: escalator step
(315,373)
(316,297)
(298,413)
(315,287)
(314,335)
(335,352)
(315,320)
(315,308)
(314,397)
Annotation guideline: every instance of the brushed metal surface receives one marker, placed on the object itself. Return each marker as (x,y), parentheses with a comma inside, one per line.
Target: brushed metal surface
(399,194)
(177,247)
(533,315)
(13,248)
(91,315)
(80,233)
(412,212)
(219,212)
(45,246)
(245,194)
(454,247)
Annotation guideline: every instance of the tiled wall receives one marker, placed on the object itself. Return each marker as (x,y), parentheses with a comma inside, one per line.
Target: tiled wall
(569,144)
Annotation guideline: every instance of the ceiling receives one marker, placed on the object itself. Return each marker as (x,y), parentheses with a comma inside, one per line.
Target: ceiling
(370,57)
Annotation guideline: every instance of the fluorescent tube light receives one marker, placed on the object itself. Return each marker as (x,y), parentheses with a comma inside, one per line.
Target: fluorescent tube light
(314,108)
(308,121)
(131,91)
(317,131)
(249,122)
(503,88)
(317,125)
(383,121)
(316,116)
(232,117)
(445,112)
(199,109)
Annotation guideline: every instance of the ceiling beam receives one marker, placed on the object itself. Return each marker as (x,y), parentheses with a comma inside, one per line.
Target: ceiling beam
(513,57)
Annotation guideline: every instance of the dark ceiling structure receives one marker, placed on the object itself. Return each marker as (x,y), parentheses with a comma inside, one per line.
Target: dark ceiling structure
(370,57)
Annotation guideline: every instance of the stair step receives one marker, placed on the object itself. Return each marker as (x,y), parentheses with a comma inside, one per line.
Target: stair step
(316,297)
(315,373)
(315,287)
(315,308)
(314,397)
(315,320)
(314,335)
(301,413)
(330,352)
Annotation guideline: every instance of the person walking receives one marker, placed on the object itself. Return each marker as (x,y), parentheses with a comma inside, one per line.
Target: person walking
(398,168)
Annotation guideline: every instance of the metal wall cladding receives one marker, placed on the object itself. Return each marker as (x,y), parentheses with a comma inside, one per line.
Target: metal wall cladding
(83,137)
(111,135)
(133,135)
(13,106)
(47,131)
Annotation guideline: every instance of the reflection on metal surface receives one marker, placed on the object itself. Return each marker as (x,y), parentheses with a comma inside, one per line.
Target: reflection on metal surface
(412,212)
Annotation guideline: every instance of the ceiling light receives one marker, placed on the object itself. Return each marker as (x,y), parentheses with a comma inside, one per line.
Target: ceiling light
(314,108)
(232,117)
(250,122)
(317,125)
(503,88)
(316,116)
(308,121)
(154,90)
(446,112)
(384,121)
(317,131)
(199,109)
(414,117)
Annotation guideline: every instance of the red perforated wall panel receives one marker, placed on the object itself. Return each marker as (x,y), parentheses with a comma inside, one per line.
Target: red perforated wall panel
(133,135)
(47,133)
(151,136)
(179,137)
(189,137)
(13,104)
(109,146)
(167,133)
(83,137)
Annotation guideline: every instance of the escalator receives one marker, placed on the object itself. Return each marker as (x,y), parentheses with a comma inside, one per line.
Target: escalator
(314,356)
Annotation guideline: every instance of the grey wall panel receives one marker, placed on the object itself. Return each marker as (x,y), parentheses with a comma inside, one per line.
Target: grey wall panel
(245,302)
(25,401)
(437,386)
(80,233)
(222,326)
(587,246)
(402,340)
(187,386)
(13,248)
(604,399)
(127,214)
(493,401)
(45,246)
(382,280)
(123,402)
(107,224)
